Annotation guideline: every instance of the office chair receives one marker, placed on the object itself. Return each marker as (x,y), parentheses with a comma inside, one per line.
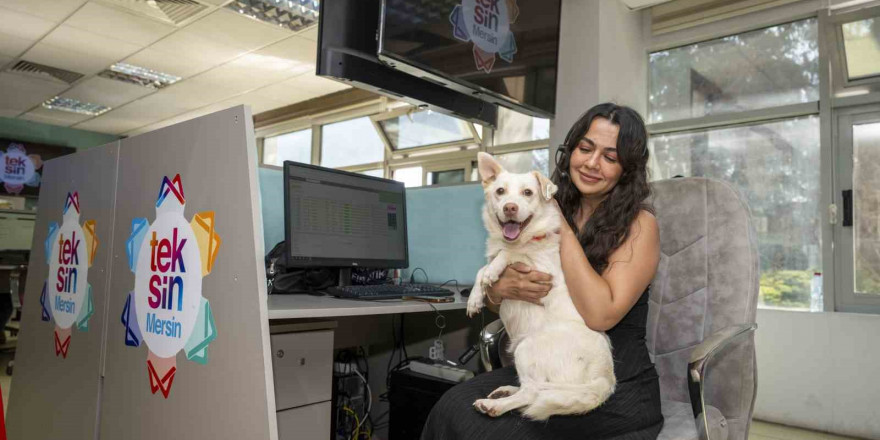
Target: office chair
(701,321)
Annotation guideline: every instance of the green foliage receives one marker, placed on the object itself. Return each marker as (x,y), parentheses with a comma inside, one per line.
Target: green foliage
(786,288)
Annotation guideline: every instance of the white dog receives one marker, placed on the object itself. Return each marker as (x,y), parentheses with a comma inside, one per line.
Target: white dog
(563,366)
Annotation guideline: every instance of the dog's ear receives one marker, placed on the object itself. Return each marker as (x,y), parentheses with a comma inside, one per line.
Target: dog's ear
(547,187)
(489,167)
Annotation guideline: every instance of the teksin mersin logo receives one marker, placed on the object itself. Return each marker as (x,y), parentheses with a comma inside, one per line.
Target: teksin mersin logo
(166,309)
(487,24)
(67,294)
(18,169)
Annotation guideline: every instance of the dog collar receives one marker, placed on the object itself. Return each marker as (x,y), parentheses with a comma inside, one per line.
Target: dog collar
(543,236)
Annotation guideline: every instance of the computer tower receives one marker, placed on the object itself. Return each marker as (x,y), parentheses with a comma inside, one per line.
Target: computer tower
(411,397)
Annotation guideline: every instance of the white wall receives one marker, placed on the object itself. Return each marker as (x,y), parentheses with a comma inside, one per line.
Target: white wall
(820,371)
(601,59)
(815,370)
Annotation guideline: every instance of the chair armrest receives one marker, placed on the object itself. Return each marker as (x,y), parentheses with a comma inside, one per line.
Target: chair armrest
(698,365)
(490,344)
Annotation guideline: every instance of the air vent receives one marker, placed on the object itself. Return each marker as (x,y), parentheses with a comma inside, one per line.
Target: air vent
(45,72)
(171,11)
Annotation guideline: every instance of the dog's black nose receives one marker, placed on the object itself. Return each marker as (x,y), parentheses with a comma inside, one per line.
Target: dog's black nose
(510,209)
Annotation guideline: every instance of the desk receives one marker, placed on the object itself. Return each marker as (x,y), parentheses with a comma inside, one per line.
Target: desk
(308,306)
(324,323)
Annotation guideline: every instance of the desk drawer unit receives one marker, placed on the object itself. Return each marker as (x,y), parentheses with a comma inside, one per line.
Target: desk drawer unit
(303,368)
(310,422)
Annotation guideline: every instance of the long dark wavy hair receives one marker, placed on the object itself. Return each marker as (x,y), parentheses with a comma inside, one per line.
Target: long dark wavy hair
(608,226)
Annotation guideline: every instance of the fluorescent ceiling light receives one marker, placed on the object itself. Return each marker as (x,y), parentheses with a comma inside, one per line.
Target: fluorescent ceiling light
(74,106)
(139,75)
(295,15)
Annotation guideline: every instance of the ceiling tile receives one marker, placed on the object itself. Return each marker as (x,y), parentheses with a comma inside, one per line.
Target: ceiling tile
(5,113)
(295,55)
(23,93)
(12,46)
(54,10)
(310,33)
(68,37)
(109,123)
(235,30)
(4,59)
(180,118)
(115,23)
(145,111)
(300,88)
(152,108)
(202,90)
(25,26)
(107,92)
(257,103)
(196,48)
(80,51)
(54,117)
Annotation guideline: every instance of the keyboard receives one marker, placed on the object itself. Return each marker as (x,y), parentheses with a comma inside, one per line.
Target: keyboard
(388,291)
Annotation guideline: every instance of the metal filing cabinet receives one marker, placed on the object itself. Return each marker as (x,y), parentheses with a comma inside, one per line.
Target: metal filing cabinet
(303,367)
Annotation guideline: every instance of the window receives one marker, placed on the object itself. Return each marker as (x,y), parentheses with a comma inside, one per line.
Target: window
(445,177)
(296,146)
(774,160)
(411,176)
(520,162)
(765,68)
(417,129)
(351,142)
(866,203)
(514,127)
(774,164)
(861,42)
(375,173)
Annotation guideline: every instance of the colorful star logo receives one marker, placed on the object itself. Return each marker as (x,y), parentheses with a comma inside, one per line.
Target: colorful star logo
(166,309)
(67,294)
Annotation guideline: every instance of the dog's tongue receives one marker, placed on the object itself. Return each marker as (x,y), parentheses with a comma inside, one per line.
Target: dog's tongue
(511,230)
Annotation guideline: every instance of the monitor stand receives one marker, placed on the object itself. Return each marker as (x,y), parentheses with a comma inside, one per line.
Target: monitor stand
(344,277)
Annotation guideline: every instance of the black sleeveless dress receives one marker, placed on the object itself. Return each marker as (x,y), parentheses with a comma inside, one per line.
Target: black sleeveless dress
(631,413)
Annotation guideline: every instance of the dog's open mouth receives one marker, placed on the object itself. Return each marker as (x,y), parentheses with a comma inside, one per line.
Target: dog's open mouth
(512,229)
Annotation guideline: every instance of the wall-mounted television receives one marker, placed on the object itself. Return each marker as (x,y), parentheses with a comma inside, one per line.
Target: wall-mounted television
(347,52)
(503,51)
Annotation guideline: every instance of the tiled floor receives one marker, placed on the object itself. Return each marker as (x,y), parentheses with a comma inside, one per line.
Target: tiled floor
(771,431)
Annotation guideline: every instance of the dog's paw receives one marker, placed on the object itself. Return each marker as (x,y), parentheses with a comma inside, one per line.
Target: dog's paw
(486,407)
(489,278)
(474,306)
(504,391)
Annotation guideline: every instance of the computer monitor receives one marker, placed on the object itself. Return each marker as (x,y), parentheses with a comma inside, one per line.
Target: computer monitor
(335,218)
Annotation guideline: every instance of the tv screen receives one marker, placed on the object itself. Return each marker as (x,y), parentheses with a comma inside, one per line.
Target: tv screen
(347,50)
(504,49)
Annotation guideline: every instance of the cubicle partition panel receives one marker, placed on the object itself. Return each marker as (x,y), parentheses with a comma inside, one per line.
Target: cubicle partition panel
(58,358)
(187,348)
(446,234)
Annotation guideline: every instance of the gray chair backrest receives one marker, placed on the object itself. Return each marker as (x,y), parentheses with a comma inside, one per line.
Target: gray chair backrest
(708,279)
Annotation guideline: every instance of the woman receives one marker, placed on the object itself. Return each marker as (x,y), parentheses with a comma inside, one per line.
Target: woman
(610,249)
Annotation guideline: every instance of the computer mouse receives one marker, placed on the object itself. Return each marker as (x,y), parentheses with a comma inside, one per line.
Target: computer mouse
(465,291)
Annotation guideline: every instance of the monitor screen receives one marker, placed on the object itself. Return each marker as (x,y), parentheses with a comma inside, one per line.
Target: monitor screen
(339,219)
(503,48)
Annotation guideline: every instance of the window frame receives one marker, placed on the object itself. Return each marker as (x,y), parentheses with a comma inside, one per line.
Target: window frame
(770,114)
(438,157)
(402,111)
(837,52)
(846,298)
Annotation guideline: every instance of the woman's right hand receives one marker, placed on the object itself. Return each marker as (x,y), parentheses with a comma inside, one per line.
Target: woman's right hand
(520,282)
